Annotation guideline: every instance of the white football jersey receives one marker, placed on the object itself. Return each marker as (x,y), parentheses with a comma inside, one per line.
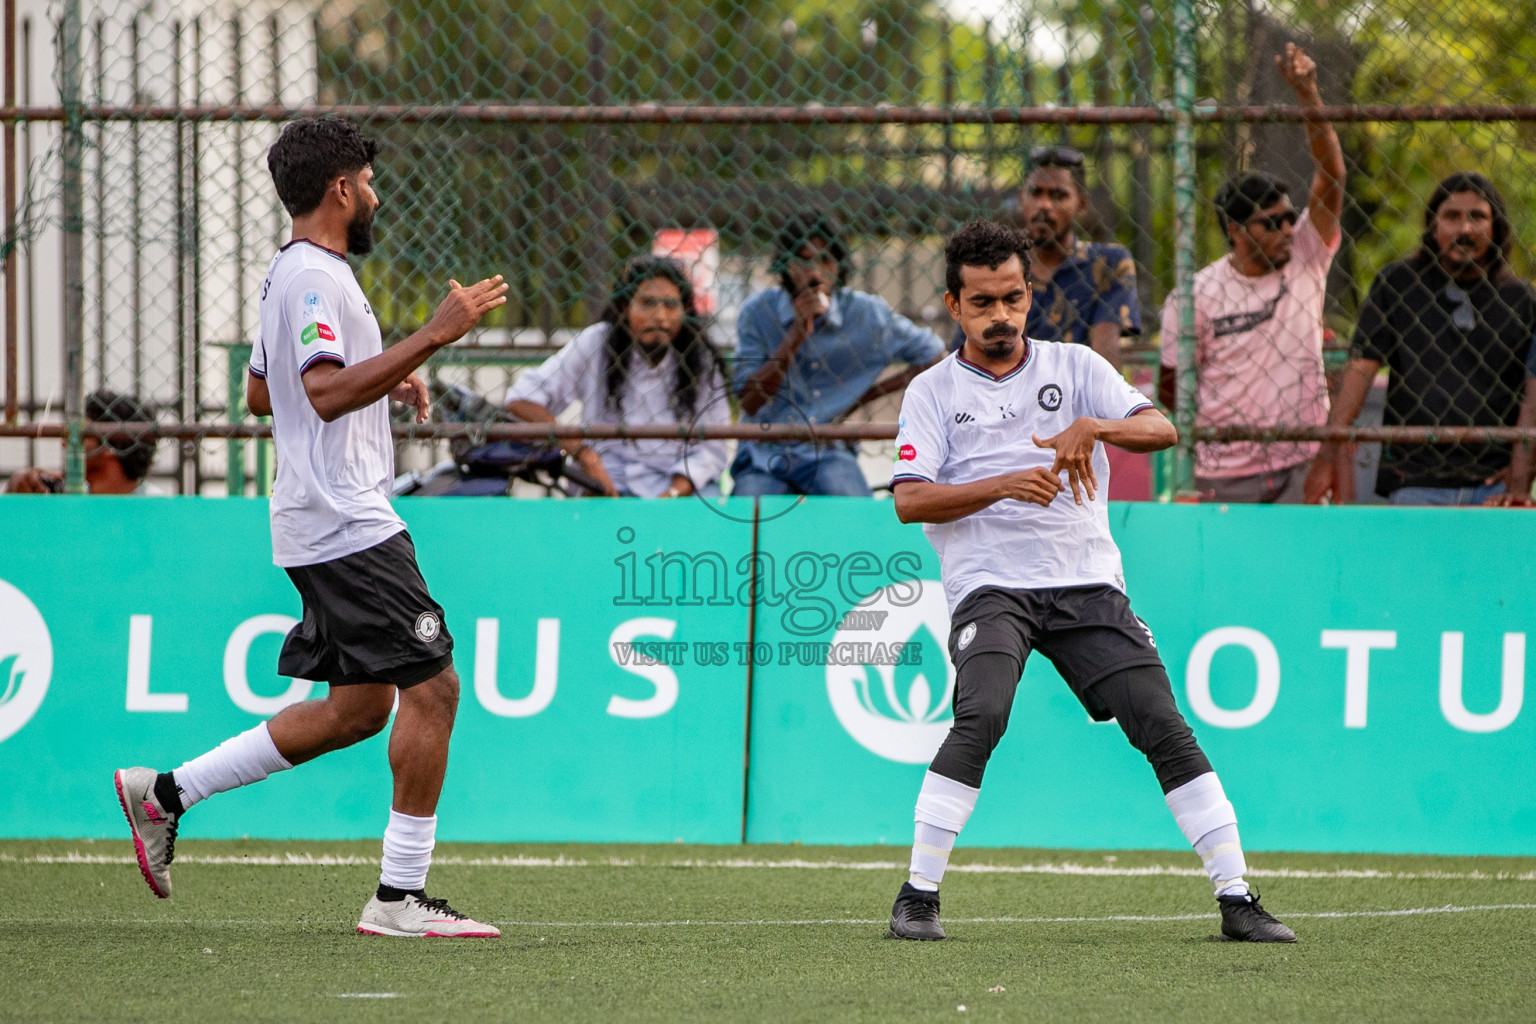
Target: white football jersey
(331,494)
(960,424)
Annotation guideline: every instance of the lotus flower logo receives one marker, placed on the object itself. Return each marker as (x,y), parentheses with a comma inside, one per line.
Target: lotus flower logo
(26,660)
(11,676)
(899,712)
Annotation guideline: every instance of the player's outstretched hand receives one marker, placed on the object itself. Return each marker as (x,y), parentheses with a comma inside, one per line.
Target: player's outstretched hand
(413,392)
(1039,486)
(1074,453)
(464,307)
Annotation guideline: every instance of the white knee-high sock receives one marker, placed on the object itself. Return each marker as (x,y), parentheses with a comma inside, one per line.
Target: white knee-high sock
(408,846)
(943,808)
(931,847)
(1208,821)
(238,761)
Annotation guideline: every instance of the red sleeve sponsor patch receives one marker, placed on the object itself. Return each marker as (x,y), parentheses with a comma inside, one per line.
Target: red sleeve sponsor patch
(907,453)
(326,334)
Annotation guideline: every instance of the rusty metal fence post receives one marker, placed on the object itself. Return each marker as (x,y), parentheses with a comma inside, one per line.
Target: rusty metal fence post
(72,211)
(1184,238)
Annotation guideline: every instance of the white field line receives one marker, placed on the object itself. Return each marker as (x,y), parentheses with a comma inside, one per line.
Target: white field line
(1063,868)
(828,921)
(1111,919)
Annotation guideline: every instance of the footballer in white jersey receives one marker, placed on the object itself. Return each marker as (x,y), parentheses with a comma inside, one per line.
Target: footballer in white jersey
(370,627)
(1000,455)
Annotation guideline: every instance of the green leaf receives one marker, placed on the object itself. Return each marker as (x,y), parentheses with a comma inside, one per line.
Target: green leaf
(12,683)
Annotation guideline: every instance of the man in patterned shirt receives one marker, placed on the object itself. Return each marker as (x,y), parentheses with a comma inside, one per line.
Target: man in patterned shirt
(1084,292)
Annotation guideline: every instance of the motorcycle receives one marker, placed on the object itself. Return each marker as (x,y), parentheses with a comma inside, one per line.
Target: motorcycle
(490,468)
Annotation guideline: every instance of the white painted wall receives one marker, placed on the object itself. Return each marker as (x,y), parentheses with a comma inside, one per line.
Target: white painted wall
(259,52)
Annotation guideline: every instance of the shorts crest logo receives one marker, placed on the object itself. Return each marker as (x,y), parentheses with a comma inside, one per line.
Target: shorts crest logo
(26,660)
(428,626)
(903,727)
(967,635)
(1049,398)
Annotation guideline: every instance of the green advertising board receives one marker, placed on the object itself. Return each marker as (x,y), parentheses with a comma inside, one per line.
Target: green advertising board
(1355,674)
(148,630)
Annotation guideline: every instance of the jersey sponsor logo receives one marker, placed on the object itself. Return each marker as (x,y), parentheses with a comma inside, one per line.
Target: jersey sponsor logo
(967,635)
(964,417)
(907,453)
(311,301)
(1007,412)
(1049,398)
(428,626)
(26,660)
(316,330)
(894,716)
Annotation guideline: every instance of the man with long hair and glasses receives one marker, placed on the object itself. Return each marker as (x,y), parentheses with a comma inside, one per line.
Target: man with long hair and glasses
(1453,325)
(370,628)
(1084,292)
(648,360)
(1259,317)
(809,352)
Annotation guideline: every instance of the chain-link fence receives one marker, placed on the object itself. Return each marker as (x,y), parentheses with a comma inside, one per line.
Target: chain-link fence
(554,142)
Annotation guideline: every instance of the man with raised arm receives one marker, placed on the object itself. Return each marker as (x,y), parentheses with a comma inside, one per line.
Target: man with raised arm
(370,627)
(1259,318)
(1028,563)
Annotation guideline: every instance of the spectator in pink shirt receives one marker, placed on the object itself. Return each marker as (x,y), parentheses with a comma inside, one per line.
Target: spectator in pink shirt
(1259,318)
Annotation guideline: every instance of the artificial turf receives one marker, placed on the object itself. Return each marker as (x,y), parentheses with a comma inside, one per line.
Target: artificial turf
(683,933)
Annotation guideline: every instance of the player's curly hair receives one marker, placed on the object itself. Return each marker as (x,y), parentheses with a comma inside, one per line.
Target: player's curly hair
(694,355)
(983,243)
(312,153)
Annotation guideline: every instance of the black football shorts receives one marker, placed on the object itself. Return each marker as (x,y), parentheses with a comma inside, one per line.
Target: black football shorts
(1088,633)
(368,618)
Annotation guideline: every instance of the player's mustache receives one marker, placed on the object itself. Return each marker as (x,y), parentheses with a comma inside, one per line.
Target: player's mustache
(997,332)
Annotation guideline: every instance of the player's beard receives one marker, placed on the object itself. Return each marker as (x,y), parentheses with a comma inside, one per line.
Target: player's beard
(997,341)
(360,233)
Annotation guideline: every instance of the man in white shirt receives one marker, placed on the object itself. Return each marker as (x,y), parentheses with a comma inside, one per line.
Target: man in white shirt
(1028,562)
(647,361)
(370,627)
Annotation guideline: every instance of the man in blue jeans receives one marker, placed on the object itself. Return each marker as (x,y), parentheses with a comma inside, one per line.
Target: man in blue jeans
(809,352)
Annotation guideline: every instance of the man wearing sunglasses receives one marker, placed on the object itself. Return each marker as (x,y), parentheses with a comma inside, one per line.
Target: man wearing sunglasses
(1452,324)
(1259,317)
